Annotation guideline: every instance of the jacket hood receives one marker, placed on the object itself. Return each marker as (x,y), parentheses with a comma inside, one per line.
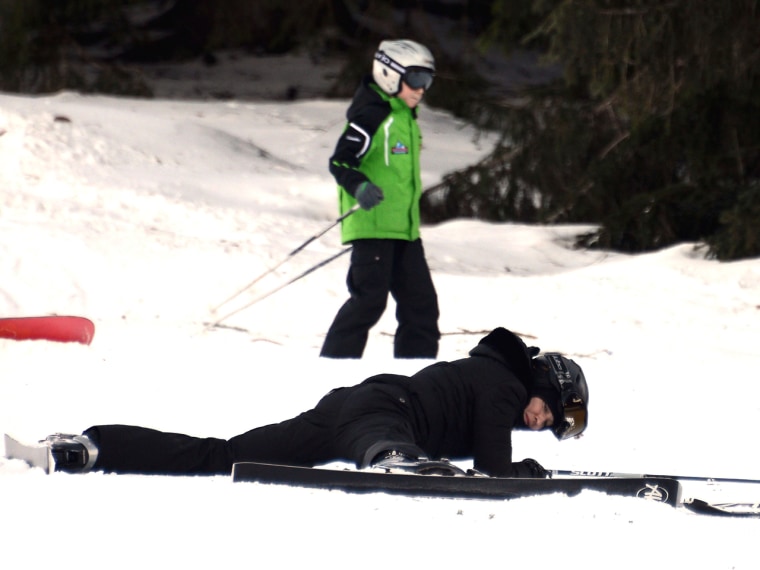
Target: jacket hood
(510,349)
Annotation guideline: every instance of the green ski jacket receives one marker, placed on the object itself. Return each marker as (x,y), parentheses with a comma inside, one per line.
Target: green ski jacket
(381,144)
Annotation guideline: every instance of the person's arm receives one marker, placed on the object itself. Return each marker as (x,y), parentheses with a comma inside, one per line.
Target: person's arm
(493,419)
(495,414)
(353,146)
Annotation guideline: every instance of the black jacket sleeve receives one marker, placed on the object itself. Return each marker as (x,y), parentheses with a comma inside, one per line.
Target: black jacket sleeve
(495,414)
(365,115)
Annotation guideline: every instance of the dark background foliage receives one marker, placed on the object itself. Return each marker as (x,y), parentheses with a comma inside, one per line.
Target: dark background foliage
(640,116)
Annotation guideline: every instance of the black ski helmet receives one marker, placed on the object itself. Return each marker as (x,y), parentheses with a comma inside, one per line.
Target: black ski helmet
(560,382)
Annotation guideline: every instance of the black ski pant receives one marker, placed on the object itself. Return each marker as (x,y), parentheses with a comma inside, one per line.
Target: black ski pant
(353,424)
(379,267)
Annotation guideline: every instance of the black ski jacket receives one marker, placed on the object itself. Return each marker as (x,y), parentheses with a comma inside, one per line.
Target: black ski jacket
(469,407)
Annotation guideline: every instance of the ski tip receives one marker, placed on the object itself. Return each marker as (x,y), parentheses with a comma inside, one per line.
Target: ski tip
(746,510)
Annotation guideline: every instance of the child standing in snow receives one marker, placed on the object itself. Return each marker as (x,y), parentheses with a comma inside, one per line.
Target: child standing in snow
(377,165)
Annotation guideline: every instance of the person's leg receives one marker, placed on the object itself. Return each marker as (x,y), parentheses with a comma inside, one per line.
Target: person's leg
(132,449)
(417,310)
(305,440)
(376,418)
(368,283)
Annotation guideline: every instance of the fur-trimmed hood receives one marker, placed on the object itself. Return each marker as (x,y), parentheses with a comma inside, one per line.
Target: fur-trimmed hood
(510,349)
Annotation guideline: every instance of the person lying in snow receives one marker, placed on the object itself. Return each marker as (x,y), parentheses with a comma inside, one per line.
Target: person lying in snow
(457,410)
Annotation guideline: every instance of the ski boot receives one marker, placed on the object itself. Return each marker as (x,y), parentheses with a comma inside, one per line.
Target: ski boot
(397,462)
(71,453)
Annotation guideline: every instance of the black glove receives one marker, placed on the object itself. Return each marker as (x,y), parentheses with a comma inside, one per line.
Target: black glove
(530,468)
(368,195)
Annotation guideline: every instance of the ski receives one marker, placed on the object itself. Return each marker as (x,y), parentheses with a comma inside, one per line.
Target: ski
(476,487)
(36,455)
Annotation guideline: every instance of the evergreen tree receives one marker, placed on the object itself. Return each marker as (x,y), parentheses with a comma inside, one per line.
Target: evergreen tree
(45,46)
(653,132)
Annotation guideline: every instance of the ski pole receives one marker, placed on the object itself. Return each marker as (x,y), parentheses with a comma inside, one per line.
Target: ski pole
(287,258)
(279,287)
(562,472)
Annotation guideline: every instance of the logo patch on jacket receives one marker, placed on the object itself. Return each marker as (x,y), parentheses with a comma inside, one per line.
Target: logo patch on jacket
(400,148)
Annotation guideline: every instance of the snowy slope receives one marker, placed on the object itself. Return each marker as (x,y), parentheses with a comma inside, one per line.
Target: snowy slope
(144,215)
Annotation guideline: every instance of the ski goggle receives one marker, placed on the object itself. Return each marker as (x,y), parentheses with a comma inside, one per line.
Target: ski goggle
(575,416)
(418,77)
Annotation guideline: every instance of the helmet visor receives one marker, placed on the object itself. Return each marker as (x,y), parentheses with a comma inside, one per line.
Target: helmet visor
(575,417)
(418,78)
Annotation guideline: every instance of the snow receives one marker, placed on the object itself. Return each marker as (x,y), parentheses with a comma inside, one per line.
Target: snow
(144,215)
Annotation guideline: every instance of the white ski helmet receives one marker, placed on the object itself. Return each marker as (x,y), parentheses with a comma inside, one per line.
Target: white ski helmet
(396,59)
